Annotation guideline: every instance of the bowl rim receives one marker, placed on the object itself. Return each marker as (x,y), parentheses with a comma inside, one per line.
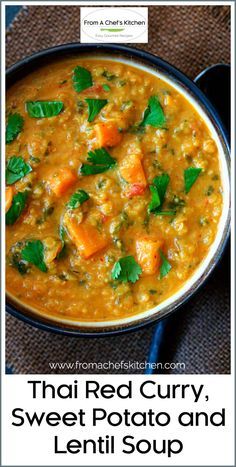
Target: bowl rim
(36,60)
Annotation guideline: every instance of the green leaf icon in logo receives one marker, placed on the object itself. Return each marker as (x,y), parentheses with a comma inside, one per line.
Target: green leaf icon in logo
(111,29)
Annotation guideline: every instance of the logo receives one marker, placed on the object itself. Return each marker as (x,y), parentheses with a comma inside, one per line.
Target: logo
(114,24)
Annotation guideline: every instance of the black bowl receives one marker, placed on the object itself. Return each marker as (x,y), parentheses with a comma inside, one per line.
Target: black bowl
(138,57)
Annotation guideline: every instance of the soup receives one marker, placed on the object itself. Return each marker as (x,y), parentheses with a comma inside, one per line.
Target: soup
(113,192)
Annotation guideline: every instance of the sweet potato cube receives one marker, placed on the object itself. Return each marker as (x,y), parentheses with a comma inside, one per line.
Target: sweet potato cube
(148,256)
(9,192)
(131,170)
(107,134)
(86,237)
(61,180)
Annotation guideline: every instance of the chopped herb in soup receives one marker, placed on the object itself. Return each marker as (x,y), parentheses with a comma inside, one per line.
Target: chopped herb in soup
(113,190)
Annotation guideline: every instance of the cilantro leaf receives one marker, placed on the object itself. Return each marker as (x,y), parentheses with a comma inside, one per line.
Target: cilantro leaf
(94,107)
(44,109)
(16,169)
(158,191)
(165,266)
(126,269)
(62,235)
(100,162)
(82,79)
(162,183)
(100,156)
(153,114)
(190,176)
(93,169)
(33,253)
(15,124)
(78,198)
(155,200)
(18,205)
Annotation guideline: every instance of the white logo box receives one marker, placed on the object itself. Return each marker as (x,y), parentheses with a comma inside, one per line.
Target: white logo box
(114,25)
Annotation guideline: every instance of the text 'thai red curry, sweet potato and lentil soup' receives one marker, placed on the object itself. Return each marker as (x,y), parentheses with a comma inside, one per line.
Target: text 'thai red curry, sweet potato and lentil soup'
(113,190)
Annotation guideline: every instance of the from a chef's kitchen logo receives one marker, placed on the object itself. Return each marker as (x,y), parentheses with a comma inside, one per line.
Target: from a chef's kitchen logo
(115,25)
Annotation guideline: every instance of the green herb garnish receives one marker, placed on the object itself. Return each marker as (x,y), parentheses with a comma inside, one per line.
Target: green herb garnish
(158,191)
(153,114)
(126,269)
(36,160)
(80,107)
(190,176)
(106,87)
(126,105)
(209,190)
(165,213)
(176,203)
(155,200)
(19,264)
(136,129)
(47,211)
(78,198)
(94,107)
(109,76)
(62,235)
(124,222)
(152,291)
(18,205)
(122,83)
(15,124)
(16,169)
(44,109)
(82,79)
(165,265)
(101,183)
(33,253)
(203,221)
(146,221)
(100,162)
(15,259)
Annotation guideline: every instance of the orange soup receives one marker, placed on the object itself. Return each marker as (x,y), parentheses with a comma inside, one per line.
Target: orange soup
(113,190)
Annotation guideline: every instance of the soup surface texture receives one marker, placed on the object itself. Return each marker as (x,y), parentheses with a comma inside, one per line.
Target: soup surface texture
(113,192)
